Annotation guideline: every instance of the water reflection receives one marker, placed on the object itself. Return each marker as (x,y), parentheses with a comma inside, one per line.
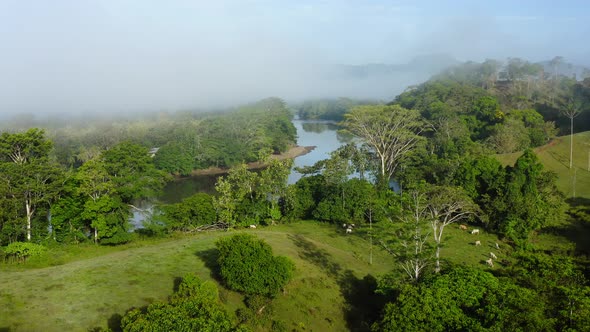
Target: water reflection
(323,135)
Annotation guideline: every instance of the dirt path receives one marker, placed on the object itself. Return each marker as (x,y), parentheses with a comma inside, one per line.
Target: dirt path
(293,152)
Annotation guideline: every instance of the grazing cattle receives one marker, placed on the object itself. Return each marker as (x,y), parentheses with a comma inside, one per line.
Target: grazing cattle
(344,225)
(475,231)
(490,262)
(348,230)
(492,255)
(497,246)
(478,243)
(463,227)
(252,226)
(352,226)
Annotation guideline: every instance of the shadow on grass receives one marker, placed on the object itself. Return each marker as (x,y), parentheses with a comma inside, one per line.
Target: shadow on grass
(209,257)
(114,323)
(4,329)
(577,228)
(363,305)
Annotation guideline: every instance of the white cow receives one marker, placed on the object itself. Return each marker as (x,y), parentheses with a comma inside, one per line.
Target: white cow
(492,255)
(490,262)
(497,246)
(252,226)
(478,243)
(348,230)
(475,231)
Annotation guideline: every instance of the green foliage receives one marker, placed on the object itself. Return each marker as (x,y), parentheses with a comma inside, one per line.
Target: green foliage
(108,216)
(560,283)
(23,147)
(20,251)
(531,199)
(30,182)
(464,299)
(132,171)
(174,158)
(67,224)
(516,201)
(391,132)
(194,307)
(248,265)
(327,109)
(194,211)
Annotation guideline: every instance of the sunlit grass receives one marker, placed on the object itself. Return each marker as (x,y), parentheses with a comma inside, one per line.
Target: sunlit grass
(95,287)
(555,157)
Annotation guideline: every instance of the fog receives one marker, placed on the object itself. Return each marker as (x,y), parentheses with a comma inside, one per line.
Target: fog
(127,56)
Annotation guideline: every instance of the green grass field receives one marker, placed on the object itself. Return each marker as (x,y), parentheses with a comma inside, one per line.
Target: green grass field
(555,157)
(94,288)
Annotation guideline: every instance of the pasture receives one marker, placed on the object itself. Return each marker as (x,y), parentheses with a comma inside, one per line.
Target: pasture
(555,157)
(92,289)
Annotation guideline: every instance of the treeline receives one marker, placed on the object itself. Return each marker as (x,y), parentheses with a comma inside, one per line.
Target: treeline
(246,135)
(43,202)
(327,109)
(83,189)
(186,140)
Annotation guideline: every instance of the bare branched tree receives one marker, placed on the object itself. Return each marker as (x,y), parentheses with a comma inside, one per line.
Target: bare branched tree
(391,131)
(571,109)
(447,205)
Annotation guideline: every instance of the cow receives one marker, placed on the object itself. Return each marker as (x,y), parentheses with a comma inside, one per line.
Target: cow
(463,227)
(478,243)
(490,262)
(475,231)
(348,230)
(253,226)
(492,255)
(497,246)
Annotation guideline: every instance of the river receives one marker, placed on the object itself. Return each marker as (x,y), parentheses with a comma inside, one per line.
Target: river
(323,135)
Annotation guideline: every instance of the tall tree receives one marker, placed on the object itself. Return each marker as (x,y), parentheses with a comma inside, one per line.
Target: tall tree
(447,205)
(97,186)
(391,131)
(27,172)
(571,109)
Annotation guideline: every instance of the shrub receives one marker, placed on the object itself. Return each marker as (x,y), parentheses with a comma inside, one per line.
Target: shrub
(20,251)
(194,307)
(247,265)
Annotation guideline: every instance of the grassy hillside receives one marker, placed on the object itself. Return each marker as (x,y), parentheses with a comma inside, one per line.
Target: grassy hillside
(90,292)
(555,157)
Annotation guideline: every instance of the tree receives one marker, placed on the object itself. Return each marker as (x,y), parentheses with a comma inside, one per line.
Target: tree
(96,185)
(531,199)
(28,174)
(447,205)
(391,131)
(194,307)
(571,110)
(194,211)
(464,299)
(410,241)
(273,185)
(132,171)
(247,264)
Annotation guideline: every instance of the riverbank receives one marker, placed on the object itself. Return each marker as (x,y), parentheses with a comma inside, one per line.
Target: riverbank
(292,153)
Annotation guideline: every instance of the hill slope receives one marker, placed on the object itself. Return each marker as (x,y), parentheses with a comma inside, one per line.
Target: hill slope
(555,157)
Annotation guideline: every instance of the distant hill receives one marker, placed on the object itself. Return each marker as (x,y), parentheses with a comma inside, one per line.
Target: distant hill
(425,64)
(384,81)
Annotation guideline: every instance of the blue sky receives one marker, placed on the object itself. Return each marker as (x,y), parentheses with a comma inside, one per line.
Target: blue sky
(77,54)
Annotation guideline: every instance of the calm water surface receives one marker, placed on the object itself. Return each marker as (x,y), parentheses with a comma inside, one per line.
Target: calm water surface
(323,135)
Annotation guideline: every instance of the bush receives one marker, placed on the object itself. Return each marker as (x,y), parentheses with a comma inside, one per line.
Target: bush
(247,265)
(194,307)
(20,251)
